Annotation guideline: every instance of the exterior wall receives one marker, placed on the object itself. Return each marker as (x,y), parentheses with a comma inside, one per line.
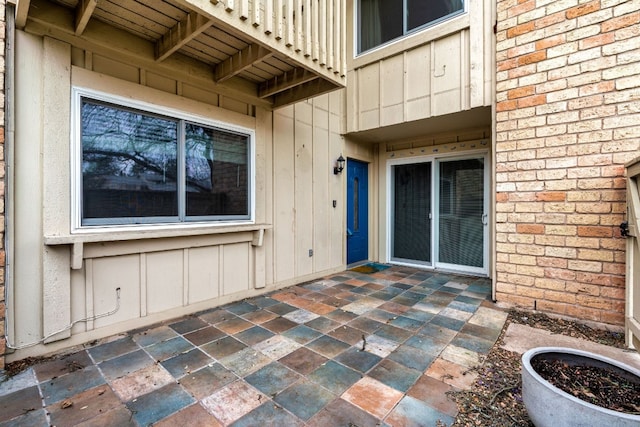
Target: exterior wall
(441,70)
(568,88)
(2,181)
(161,274)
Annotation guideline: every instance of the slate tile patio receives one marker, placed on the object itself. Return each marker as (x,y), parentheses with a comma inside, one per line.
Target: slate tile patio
(377,349)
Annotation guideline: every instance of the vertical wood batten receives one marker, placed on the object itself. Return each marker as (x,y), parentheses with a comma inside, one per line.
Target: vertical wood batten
(314,33)
(279,18)
(322,36)
(268,17)
(343,32)
(297,22)
(330,26)
(255,13)
(244,9)
(307,27)
(338,24)
(229,5)
(288,23)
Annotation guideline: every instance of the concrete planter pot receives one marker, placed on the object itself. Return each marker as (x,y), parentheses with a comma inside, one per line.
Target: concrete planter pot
(548,406)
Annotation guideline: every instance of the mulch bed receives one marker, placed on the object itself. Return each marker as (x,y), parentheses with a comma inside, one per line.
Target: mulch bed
(495,398)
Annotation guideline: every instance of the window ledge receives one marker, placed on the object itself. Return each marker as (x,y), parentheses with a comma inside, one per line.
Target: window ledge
(77,241)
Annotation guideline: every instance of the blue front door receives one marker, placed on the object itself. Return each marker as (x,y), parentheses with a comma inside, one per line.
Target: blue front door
(357,211)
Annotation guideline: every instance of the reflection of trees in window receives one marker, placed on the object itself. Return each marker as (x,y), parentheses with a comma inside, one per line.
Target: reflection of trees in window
(131,163)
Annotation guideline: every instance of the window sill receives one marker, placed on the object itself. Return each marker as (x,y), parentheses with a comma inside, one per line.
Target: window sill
(77,241)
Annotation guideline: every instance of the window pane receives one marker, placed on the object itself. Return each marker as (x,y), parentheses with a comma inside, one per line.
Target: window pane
(411,210)
(421,12)
(216,172)
(380,22)
(461,209)
(129,164)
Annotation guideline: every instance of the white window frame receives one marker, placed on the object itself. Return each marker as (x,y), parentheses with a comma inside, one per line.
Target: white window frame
(78,93)
(405,32)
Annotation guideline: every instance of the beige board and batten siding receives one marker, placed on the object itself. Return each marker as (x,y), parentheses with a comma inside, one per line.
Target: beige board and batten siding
(441,70)
(60,277)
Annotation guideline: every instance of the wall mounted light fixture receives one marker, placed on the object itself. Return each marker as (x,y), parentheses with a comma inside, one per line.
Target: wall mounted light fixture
(338,169)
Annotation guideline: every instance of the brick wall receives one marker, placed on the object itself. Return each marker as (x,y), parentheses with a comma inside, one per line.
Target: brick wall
(568,118)
(2,184)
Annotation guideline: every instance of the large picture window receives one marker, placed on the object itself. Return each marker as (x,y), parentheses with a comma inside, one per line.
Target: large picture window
(142,167)
(381,21)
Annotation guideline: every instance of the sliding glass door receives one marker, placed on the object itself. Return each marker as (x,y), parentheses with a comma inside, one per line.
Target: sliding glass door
(438,214)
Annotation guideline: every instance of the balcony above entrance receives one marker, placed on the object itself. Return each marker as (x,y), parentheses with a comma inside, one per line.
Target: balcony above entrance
(278,51)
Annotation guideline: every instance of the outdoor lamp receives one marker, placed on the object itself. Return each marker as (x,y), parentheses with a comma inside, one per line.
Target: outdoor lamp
(338,169)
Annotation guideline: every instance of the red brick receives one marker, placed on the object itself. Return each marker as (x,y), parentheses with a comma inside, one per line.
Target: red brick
(620,22)
(531,101)
(532,57)
(551,196)
(550,19)
(550,42)
(595,231)
(583,9)
(502,197)
(521,92)
(507,64)
(520,29)
(598,40)
(523,6)
(530,228)
(506,106)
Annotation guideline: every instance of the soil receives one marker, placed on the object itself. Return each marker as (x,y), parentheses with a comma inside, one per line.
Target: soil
(600,386)
(496,397)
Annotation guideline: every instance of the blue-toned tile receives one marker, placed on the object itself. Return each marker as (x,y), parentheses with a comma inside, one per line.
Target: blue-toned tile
(188,325)
(125,364)
(245,361)
(335,377)
(241,308)
(35,418)
(359,360)
(327,346)
(407,323)
(302,334)
(223,347)
(419,315)
(392,333)
(365,324)
(113,349)
(380,315)
(170,348)
(254,335)
(403,286)
(428,344)
(323,324)
(150,408)
(412,412)
(472,343)
(447,322)
(462,306)
(489,334)
(281,308)
(273,378)
(383,295)
(15,404)
(301,316)
(342,413)
(154,336)
(268,414)
(395,375)
(362,290)
(66,386)
(449,289)
(304,399)
(186,362)
(263,301)
(469,300)
(412,357)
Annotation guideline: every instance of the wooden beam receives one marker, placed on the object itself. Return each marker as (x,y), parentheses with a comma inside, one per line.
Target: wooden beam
(286,81)
(84,10)
(180,34)
(240,61)
(22,11)
(303,91)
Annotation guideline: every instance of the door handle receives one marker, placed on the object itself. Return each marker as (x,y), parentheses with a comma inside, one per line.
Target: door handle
(349,232)
(484,219)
